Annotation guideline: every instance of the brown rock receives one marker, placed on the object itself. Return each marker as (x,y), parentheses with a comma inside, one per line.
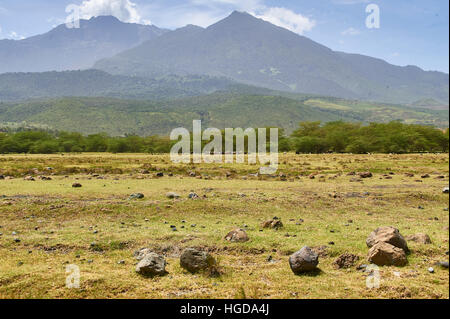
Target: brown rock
(384,254)
(420,238)
(272,223)
(388,235)
(237,235)
(365,175)
(345,261)
(305,260)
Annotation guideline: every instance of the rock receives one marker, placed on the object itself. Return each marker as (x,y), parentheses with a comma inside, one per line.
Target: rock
(193,196)
(172,195)
(385,254)
(388,235)
(2,176)
(346,261)
(29,178)
(443,264)
(420,238)
(151,265)
(194,260)
(272,223)
(237,235)
(136,196)
(140,254)
(445,190)
(304,260)
(76,185)
(365,175)
(431,270)
(160,174)
(425,176)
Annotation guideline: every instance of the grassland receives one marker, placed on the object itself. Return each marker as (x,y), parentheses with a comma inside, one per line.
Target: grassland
(57,224)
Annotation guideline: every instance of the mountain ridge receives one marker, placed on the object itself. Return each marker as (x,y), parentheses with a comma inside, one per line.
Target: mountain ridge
(62,48)
(256,52)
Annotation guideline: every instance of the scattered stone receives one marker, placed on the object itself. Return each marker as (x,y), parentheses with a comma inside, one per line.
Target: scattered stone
(388,235)
(346,260)
(151,265)
(425,176)
(160,174)
(365,175)
(76,185)
(136,196)
(385,254)
(443,264)
(17,240)
(29,178)
(237,235)
(431,270)
(121,262)
(172,195)
(274,223)
(420,238)
(446,190)
(193,196)
(305,260)
(194,260)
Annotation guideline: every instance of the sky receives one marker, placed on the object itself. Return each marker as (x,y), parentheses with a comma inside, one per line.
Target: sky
(410,32)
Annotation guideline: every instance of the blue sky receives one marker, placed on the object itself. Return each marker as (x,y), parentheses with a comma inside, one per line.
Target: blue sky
(412,32)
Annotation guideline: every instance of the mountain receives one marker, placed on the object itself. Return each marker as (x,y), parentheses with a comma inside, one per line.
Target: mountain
(252,51)
(72,49)
(220,109)
(95,83)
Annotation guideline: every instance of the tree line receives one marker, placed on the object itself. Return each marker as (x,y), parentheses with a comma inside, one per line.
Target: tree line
(310,137)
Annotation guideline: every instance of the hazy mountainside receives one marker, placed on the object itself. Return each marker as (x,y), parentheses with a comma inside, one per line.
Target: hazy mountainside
(256,52)
(120,117)
(72,49)
(95,83)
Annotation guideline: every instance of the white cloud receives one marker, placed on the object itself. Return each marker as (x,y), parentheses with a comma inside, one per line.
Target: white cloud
(287,19)
(351,32)
(15,36)
(124,10)
(350,1)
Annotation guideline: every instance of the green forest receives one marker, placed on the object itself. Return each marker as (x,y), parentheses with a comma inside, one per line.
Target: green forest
(310,137)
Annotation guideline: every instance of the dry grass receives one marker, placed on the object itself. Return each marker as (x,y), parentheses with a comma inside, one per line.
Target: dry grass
(56,224)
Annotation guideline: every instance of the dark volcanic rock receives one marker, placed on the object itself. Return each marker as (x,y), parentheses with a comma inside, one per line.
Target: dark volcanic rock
(305,260)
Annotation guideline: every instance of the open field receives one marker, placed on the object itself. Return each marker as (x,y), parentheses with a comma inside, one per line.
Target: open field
(57,224)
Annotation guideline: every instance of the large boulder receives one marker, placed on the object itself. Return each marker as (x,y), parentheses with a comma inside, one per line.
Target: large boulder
(194,260)
(304,260)
(152,265)
(388,235)
(237,235)
(385,254)
(420,238)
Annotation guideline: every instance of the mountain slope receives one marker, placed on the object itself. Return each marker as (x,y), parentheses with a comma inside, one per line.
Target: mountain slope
(95,83)
(221,110)
(256,52)
(72,49)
